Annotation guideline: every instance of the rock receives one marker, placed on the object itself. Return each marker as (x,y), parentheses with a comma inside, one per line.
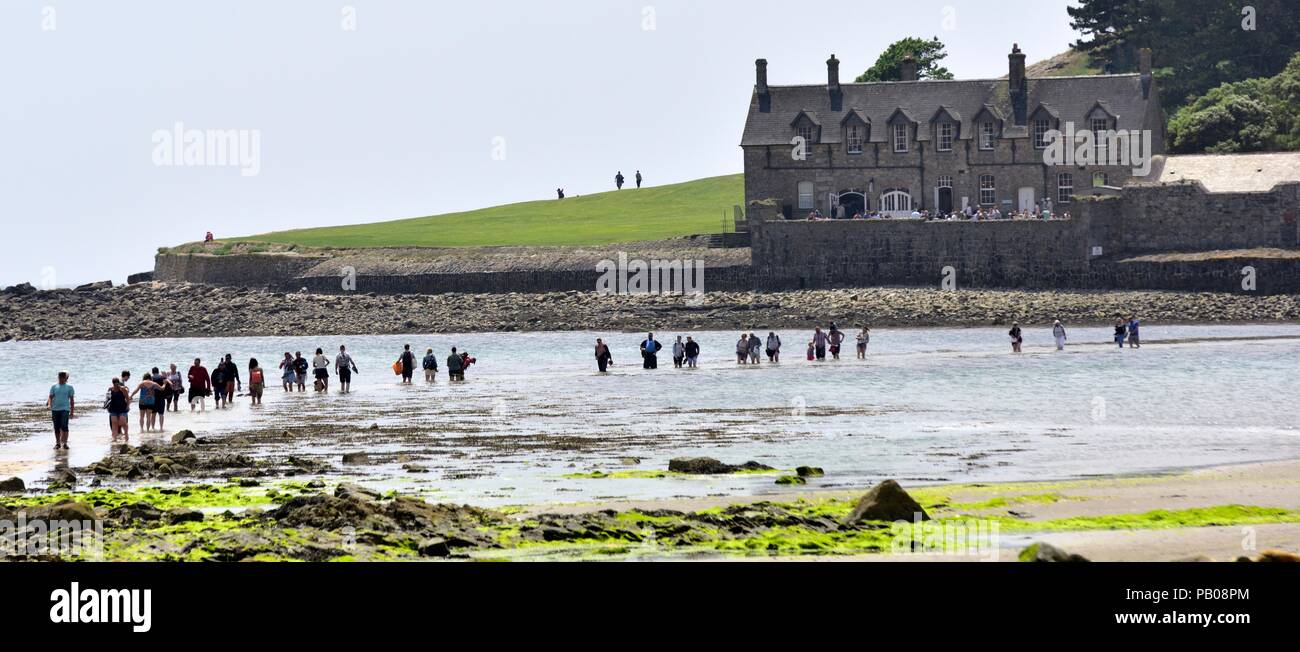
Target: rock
(698,466)
(127,514)
(414,468)
(435,548)
(356,458)
(791,479)
(142,277)
(752,466)
(886,502)
(316,484)
(348,490)
(629,461)
(1278,556)
(183,436)
(22,289)
(67,510)
(183,515)
(13,485)
(810,472)
(1046,552)
(98,285)
(374,426)
(247,482)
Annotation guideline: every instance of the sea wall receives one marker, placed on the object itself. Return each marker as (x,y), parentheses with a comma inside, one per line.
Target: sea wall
(268,271)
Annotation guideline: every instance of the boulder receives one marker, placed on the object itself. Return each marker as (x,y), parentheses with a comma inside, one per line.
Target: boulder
(91,287)
(183,436)
(183,515)
(356,458)
(13,485)
(435,548)
(1046,552)
(698,466)
(22,289)
(133,512)
(888,502)
(1279,556)
(67,510)
(810,472)
(348,490)
(791,480)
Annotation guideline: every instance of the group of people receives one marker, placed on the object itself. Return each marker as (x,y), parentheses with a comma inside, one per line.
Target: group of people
(969,214)
(457,363)
(1125,330)
(619,180)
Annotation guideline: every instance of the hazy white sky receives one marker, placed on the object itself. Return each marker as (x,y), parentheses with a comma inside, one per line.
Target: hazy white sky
(401,116)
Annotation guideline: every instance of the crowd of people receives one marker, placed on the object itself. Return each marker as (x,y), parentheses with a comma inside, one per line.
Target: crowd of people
(158,392)
(970,214)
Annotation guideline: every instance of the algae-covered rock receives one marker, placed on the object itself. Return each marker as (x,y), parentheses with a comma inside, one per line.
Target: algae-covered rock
(13,485)
(710,466)
(127,514)
(183,515)
(356,458)
(791,480)
(183,436)
(1046,552)
(886,501)
(810,472)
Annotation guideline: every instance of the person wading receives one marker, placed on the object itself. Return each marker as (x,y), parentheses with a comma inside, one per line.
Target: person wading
(407,360)
(650,352)
(603,356)
(63,406)
(430,366)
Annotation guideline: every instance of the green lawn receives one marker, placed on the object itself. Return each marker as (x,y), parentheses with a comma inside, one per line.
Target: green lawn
(630,215)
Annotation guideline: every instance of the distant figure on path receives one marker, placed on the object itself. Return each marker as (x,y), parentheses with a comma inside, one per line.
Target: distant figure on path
(407,360)
(430,367)
(638,179)
(345,366)
(618,180)
(1058,332)
(603,356)
(692,352)
(455,366)
(864,338)
(650,351)
(1121,331)
(207,238)
(679,352)
(62,404)
(1016,338)
(200,385)
(773,347)
(1134,341)
(559,192)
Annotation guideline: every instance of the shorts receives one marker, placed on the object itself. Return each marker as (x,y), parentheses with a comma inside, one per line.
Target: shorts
(301,377)
(114,415)
(771,352)
(322,374)
(255,390)
(60,419)
(160,406)
(345,375)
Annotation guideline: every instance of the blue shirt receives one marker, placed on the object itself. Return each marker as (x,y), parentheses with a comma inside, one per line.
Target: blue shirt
(61,398)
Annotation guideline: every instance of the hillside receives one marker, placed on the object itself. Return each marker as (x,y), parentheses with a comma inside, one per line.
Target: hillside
(631,215)
(1066,64)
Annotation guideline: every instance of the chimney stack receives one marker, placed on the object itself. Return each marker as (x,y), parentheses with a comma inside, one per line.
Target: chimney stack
(1144,67)
(760,86)
(907,69)
(833,83)
(1018,86)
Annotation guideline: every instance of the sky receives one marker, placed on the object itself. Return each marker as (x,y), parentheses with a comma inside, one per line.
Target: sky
(371,110)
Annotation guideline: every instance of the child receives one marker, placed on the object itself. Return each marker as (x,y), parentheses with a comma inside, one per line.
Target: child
(812,351)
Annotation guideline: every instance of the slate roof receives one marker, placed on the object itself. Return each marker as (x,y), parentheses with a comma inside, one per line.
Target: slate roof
(1071,98)
(1227,172)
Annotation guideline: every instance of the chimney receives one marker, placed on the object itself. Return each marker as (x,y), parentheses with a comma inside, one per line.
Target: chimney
(1018,86)
(1144,67)
(907,69)
(833,83)
(760,86)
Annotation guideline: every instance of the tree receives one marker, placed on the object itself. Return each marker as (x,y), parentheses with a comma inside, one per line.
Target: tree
(1254,115)
(928,54)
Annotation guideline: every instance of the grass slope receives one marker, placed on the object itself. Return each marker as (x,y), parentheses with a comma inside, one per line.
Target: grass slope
(691,208)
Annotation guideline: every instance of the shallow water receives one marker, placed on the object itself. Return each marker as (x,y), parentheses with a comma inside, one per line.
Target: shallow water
(932,405)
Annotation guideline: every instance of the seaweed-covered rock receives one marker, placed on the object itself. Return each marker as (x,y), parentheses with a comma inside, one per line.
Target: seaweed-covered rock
(133,512)
(791,480)
(810,472)
(183,515)
(710,466)
(1046,552)
(13,485)
(886,501)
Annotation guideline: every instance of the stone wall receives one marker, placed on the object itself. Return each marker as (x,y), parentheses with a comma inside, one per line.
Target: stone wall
(236,270)
(1185,217)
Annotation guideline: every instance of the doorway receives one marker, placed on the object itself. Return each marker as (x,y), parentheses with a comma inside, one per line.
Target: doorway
(853,203)
(1026,199)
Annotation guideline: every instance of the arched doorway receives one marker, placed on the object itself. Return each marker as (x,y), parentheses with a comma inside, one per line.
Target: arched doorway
(897,203)
(853,202)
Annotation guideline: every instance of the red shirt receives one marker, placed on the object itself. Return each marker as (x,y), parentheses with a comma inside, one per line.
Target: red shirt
(199,378)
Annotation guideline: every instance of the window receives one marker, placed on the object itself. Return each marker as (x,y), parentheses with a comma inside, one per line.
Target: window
(1064,187)
(805,196)
(988,190)
(854,139)
(806,133)
(988,135)
(1099,128)
(900,138)
(1100,179)
(945,136)
(945,182)
(1041,127)
(896,201)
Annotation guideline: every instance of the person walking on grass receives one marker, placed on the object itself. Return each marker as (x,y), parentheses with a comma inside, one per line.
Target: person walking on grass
(1134,341)
(430,367)
(1016,337)
(344,366)
(256,381)
(692,352)
(638,179)
(864,338)
(288,377)
(604,358)
(119,409)
(1058,332)
(62,403)
(618,180)
(200,386)
(773,347)
(455,366)
(407,362)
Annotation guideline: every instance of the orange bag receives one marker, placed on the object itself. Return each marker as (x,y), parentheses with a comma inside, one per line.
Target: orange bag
(397,367)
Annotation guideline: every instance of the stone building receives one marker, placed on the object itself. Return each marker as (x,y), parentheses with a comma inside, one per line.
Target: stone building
(938,145)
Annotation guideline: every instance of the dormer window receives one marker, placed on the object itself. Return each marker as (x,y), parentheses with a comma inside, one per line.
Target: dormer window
(988,134)
(1041,127)
(1099,127)
(944,141)
(806,132)
(854,136)
(900,138)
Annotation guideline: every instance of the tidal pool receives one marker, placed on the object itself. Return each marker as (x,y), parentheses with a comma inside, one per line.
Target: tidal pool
(535,419)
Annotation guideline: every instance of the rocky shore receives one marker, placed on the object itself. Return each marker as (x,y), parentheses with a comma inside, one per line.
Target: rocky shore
(183,310)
